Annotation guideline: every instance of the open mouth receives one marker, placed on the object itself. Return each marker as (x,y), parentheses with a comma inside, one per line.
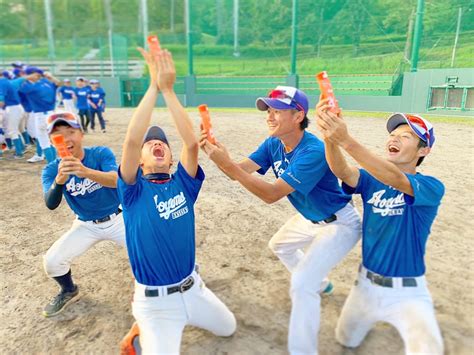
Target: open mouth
(70,148)
(393,149)
(158,152)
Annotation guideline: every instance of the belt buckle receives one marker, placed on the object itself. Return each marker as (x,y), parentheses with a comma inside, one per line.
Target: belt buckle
(102,220)
(186,285)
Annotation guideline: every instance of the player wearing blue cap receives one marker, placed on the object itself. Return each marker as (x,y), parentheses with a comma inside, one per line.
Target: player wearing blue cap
(40,88)
(87,179)
(160,224)
(326,227)
(400,206)
(97,104)
(67,95)
(82,101)
(10,102)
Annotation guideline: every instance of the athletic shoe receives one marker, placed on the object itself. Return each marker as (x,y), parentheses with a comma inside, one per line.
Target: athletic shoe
(18,157)
(103,131)
(130,342)
(60,302)
(36,158)
(328,290)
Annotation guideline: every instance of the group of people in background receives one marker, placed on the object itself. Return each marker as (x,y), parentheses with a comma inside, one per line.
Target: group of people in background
(29,94)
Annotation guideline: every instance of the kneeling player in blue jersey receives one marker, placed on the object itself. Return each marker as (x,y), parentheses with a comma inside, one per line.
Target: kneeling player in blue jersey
(400,206)
(160,226)
(88,180)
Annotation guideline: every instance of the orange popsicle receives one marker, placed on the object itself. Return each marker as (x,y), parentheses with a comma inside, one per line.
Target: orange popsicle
(327,91)
(60,145)
(206,123)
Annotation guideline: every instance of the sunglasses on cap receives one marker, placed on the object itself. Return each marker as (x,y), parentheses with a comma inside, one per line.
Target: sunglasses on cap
(65,116)
(281,94)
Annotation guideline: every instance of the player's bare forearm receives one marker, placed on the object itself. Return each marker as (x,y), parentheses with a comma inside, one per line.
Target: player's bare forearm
(339,166)
(107,179)
(136,131)
(267,192)
(383,170)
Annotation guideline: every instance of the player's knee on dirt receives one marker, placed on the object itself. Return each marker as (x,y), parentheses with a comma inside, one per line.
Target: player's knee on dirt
(421,342)
(347,338)
(54,265)
(228,328)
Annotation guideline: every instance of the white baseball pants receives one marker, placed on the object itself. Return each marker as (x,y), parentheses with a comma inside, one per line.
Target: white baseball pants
(162,319)
(326,245)
(30,124)
(80,238)
(409,309)
(14,115)
(41,129)
(69,105)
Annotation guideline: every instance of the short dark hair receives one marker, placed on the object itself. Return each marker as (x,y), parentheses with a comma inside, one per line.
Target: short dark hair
(303,124)
(421,144)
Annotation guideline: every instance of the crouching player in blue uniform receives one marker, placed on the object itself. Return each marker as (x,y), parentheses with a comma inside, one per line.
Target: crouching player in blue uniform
(159,221)
(400,206)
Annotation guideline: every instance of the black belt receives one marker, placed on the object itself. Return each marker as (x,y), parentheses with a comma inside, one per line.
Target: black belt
(327,220)
(106,218)
(388,281)
(182,287)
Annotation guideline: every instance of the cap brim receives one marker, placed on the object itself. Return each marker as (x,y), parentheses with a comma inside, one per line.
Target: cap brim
(155,132)
(396,120)
(72,124)
(263,103)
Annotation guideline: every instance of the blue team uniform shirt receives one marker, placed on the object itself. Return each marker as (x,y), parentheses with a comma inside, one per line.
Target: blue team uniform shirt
(8,93)
(82,95)
(396,226)
(317,194)
(95,96)
(160,226)
(41,94)
(66,92)
(88,199)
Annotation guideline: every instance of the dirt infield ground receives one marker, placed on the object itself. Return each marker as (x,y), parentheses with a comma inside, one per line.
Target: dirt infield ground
(233,229)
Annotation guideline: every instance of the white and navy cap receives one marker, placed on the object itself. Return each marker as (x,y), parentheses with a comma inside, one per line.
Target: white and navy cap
(284,98)
(67,117)
(420,126)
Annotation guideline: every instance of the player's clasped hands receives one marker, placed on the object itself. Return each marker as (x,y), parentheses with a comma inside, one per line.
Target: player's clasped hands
(332,126)
(161,68)
(70,166)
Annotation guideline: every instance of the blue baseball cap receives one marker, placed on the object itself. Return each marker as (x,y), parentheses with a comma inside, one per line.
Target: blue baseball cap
(284,98)
(7,74)
(18,71)
(33,70)
(155,132)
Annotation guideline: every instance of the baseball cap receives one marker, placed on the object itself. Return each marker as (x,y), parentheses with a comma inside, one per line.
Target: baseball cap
(18,64)
(94,81)
(33,70)
(66,117)
(155,132)
(66,80)
(7,74)
(17,72)
(80,78)
(420,126)
(284,98)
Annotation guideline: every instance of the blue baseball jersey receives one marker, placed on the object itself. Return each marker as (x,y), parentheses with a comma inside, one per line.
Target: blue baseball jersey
(396,226)
(8,93)
(317,192)
(23,98)
(67,92)
(159,224)
(82,95)
(96,96)
(88,199)
(41,94)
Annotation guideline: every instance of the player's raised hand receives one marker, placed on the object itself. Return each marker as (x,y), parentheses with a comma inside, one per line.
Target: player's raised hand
(166,71)
(217,153)
(151,63)
(72,166)
(332,126)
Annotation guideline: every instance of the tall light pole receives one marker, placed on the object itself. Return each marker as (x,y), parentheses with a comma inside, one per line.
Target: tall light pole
(189,37)
(294,36)
(417,36)
(144,8)
(49,29)
(108,14)
(458,27)
(236,29)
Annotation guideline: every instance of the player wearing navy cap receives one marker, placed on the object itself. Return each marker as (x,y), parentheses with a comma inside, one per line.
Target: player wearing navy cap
(97,104)
(400,206)
(87,180)
(327,226)
(40,88)
(160,225)
(82,101)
